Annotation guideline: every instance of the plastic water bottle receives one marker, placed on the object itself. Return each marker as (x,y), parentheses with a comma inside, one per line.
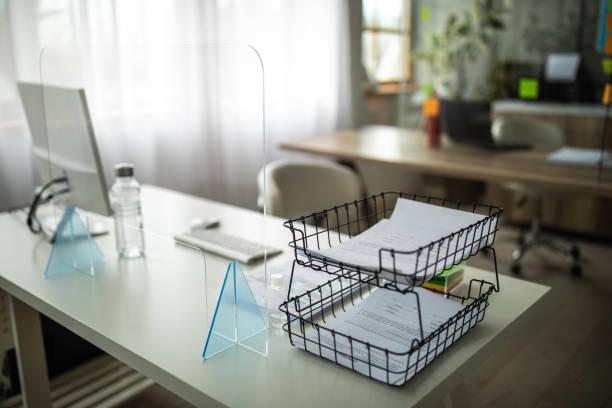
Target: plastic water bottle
(125,199)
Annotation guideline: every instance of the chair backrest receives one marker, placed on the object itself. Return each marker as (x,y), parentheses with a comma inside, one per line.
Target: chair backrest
(299,187)
(527,131)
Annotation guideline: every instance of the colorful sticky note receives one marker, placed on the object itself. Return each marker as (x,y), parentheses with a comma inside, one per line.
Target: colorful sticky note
(601,35)
(608,46)
(425,13)
(528,88)
(606,98)
(606,65)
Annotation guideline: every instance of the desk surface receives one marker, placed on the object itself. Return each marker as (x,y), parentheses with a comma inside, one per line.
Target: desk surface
(405,147)
(151,314)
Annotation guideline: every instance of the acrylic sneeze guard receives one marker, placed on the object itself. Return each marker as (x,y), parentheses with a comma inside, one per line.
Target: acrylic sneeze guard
(191,119)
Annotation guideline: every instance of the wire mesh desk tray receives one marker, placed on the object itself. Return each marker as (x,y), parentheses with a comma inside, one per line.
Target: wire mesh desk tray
(308,314)
(329,228)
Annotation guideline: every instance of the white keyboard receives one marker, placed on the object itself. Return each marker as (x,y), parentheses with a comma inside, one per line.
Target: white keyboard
(229,246)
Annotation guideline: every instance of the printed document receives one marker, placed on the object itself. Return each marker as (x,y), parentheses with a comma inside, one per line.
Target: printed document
(390,321)
(412,225)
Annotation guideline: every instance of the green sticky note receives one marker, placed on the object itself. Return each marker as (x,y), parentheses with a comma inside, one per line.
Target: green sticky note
(606,64)
(425,13)
(449,272)
(528,88)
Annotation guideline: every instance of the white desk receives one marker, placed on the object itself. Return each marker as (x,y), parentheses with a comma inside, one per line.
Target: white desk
(151,316)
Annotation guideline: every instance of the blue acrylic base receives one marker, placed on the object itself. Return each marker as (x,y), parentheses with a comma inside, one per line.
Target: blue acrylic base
(237,318)
(74,249)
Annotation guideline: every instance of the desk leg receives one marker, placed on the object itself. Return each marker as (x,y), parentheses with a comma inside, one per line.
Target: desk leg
(27,334)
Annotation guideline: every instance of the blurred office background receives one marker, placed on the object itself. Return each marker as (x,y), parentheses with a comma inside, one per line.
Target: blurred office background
(365,63)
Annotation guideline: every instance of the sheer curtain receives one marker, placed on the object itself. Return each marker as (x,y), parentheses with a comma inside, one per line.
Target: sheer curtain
(139,100)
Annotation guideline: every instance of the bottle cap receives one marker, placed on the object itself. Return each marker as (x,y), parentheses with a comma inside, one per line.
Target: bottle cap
(124,170)
(276,279)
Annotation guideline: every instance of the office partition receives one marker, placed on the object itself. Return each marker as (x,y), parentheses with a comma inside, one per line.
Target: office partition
(189,118)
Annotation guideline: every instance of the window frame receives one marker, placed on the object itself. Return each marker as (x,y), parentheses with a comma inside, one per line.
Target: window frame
(401,84)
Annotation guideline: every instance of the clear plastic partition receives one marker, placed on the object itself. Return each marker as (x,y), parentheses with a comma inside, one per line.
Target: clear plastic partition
(190,120)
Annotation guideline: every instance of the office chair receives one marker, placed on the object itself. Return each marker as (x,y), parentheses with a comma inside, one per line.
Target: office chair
(299,187)
(535,133)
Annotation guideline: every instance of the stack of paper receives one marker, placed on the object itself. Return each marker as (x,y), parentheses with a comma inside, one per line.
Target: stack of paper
(389,320)
(412,225)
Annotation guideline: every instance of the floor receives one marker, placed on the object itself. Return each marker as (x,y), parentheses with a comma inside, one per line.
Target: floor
(560,357)
(563,356)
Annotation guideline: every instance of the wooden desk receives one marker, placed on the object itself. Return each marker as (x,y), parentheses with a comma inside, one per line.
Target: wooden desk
(151,314)
(404,147)
(584,208)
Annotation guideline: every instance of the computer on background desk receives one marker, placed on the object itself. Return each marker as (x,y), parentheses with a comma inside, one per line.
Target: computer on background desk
(469,122)
(64,146)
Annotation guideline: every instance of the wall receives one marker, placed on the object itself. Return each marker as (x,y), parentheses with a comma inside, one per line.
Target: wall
(534,29)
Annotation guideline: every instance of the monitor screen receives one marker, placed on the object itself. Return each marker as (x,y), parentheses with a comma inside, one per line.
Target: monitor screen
(562,67)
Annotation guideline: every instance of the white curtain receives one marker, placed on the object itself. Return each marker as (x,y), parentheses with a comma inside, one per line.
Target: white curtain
(157,101)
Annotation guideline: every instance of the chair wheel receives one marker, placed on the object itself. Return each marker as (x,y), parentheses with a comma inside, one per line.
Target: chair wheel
(576,270)
(515,268)
(575,252)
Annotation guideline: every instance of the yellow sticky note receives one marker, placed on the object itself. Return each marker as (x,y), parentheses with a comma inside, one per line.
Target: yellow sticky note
(606,65)
(425,14)
(607,95)
(528,88)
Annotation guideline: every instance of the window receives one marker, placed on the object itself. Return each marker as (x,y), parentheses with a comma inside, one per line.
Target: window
(385,44)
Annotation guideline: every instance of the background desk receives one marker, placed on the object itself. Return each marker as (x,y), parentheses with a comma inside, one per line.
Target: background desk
(582,124)
(584,208)
(153,318)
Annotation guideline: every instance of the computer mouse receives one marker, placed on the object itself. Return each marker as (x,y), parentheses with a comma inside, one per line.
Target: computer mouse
(204,223)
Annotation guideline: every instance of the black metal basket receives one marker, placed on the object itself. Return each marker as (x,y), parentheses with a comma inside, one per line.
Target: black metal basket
(328,228)
(308,313)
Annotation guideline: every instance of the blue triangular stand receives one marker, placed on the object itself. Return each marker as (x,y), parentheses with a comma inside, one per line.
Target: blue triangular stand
(74,249)
(237,318)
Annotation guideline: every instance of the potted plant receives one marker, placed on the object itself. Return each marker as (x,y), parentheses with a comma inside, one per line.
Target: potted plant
(461,41)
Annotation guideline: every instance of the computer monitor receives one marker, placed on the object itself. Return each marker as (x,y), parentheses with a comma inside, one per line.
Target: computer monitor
(64,144)
(468,122)
(562,67)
